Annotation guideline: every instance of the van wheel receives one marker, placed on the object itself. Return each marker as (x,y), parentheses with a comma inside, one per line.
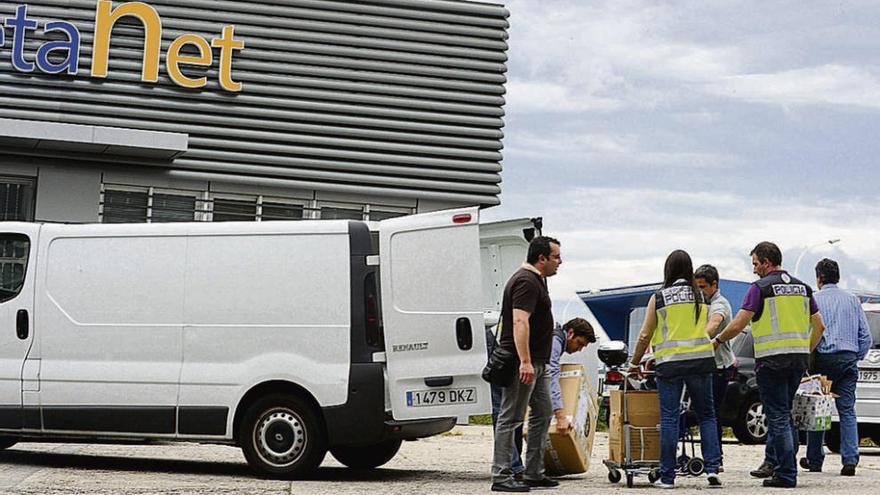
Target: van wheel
(6,442)
(368,456)
(281,437)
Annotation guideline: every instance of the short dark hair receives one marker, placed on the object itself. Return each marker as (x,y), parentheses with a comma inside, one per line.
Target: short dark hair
(540,245)
(768,251)
(828,270)
(708,273)
(581,328)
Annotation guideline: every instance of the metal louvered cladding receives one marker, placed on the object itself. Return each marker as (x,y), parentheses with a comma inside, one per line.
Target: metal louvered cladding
(400,97)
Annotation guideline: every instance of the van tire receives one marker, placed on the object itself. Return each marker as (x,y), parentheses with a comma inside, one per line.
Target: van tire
(282,436)
(6,442)
(367,456)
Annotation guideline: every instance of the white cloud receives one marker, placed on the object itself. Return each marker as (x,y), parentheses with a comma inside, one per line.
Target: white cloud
(824,85)
(614,237)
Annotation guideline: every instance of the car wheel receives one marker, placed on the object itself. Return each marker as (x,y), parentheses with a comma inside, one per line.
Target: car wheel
(6,442)
(368,456)
(750,426)
(282,437)
(832,438)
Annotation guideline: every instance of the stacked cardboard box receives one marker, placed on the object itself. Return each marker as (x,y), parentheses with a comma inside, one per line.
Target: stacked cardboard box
(570,453)
(643,415)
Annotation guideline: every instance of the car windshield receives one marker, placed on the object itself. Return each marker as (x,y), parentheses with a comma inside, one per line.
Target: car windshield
(874,324)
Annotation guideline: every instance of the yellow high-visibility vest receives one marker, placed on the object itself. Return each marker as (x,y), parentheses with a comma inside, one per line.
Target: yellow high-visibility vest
(783,325)
(679,336)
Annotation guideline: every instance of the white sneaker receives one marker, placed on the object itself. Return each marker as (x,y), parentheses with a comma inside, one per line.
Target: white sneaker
(665,486)
(714,480)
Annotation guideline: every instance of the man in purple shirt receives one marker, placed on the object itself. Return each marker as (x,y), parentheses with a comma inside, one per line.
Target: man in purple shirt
(784,335)
(845,343)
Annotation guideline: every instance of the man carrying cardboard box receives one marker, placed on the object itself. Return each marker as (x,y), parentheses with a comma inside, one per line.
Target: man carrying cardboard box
(572,337)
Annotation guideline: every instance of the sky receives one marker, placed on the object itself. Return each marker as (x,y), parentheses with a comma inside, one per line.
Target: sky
(638,127)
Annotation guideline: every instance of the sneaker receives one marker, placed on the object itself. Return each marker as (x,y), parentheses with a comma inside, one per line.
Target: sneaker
(805,464)
(848,470)
(765,470)
(544,482)
(775,482)
(511,486)
(714,480)
(664,485)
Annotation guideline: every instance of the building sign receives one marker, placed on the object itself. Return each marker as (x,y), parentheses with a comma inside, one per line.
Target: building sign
(105,18)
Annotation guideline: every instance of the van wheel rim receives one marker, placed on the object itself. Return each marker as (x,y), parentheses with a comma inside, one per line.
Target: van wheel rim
(280,437)
(756,421)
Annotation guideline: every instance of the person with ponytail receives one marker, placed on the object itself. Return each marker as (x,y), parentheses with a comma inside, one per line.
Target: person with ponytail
(675,329)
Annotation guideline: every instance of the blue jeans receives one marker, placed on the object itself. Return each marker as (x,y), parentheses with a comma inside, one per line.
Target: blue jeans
(700,390)
(777,388)
(842,368)
(516,464)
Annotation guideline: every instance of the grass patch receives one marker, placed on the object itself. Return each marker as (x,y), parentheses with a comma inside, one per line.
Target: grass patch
(483,419)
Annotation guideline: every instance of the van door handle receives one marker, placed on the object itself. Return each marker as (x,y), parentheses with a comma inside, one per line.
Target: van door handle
(464,334)
(438,381)
(22,324)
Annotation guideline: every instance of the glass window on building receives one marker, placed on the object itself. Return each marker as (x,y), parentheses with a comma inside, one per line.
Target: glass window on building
(341,213)
(173,208)
(127,204)
(16,199)
(275,211)
(235,210)
(14,250)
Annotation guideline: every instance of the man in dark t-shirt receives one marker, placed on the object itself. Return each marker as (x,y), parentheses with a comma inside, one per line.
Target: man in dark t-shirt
(527,329)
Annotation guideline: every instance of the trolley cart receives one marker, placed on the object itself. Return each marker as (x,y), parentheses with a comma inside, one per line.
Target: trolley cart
(634,463)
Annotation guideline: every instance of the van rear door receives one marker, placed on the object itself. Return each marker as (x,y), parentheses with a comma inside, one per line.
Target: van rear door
(432,311)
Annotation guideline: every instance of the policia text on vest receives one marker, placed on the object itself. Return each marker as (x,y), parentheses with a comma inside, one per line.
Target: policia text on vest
(105,18)
(679,336)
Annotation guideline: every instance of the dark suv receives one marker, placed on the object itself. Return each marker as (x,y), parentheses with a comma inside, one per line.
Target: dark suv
(742,409)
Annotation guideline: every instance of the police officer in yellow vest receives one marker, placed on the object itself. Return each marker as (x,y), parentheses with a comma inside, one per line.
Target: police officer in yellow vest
(675,327)
(786,327)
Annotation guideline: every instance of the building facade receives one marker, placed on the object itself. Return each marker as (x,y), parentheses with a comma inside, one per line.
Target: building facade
(218,110)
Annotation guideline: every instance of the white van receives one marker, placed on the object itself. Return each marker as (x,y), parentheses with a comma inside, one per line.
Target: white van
(288,339)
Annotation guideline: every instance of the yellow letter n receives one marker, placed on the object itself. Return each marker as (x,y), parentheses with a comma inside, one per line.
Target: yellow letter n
(106,17)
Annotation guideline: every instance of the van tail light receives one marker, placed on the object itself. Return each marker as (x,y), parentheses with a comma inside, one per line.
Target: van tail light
(371,312)
(613,377)
(464,218)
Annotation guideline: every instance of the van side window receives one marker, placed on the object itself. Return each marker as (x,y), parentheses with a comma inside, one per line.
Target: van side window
(14,250)
(374,335)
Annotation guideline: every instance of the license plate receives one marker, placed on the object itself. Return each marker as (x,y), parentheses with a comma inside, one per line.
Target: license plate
(869,376)
(441,397)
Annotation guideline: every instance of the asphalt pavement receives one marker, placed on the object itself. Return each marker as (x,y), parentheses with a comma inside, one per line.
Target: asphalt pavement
(457,462)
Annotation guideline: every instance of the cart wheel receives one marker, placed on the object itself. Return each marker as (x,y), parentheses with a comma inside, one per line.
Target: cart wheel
(614,476)
(653,475)
(682,461)
(629,480)
(696,466)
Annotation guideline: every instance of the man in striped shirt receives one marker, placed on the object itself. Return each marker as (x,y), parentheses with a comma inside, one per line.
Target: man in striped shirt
(846,341)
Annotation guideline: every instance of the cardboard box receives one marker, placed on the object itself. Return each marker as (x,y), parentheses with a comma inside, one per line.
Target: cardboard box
(812,412)
(570,453)
(643,417)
